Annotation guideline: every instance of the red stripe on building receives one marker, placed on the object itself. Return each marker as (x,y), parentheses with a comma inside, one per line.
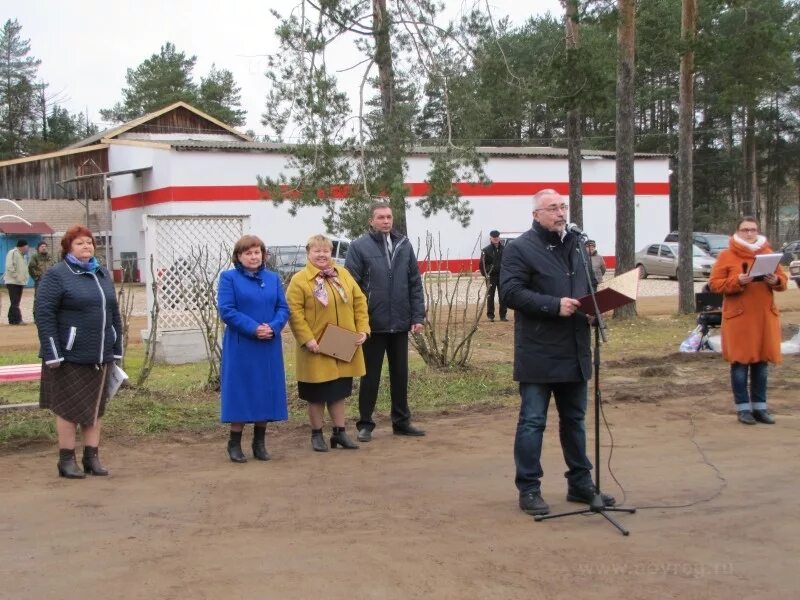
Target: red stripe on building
(231,193)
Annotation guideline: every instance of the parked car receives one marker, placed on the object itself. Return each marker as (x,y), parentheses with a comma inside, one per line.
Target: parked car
(713,243)
(791,251)
(794,271)
(662,259)
(287,260)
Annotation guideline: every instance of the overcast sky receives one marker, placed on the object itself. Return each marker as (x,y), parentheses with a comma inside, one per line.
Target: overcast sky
(86,45)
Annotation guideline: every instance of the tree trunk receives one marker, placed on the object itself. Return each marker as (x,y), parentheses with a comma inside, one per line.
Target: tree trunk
(685,166)
(751,175)
(574,120)
(393,167)
(626,208)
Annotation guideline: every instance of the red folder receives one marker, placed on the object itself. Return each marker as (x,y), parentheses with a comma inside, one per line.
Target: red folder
(620,291)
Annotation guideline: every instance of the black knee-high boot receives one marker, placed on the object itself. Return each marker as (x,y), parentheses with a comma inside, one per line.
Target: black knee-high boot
(235,447)
(260,443)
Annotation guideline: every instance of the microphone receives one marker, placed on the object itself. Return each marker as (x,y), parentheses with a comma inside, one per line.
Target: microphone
(573,228)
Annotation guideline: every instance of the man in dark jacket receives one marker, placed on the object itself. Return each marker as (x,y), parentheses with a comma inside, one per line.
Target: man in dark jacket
(491,256)
(541,279)
(383,263)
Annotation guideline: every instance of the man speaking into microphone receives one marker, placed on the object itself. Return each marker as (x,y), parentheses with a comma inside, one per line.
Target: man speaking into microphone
(541,278)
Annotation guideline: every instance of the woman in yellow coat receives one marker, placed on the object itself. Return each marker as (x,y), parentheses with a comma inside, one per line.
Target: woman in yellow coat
(323,293)
(751,328)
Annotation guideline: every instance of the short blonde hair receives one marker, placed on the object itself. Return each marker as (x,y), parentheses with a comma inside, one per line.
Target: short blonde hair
(319,240)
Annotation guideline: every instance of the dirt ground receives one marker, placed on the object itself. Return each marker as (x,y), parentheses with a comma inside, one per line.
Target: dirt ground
(433,517)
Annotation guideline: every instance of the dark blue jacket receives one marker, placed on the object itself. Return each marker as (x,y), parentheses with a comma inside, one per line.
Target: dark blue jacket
(77,316)
(393,287)
(539,268)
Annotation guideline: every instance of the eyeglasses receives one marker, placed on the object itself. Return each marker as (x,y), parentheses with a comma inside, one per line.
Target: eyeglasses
(749,229)
(554,208)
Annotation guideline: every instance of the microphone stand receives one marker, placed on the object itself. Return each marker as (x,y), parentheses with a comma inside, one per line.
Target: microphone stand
(596,506)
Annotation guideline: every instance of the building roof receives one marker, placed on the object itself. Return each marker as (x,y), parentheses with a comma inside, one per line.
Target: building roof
(35,228)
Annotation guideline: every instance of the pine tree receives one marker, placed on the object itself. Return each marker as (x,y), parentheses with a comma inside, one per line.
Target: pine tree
(17,91)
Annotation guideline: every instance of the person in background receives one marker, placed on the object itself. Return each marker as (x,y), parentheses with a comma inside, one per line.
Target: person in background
(80,337)
(491,256)
(40,262)
(542,277)
(320,294)
(598,264)
(751,328)
(383,264)
(253,383)
(16,278)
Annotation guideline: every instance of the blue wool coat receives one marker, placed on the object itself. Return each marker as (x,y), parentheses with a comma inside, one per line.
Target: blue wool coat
(252,376)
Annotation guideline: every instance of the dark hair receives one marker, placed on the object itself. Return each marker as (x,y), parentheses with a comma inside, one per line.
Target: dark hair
(494,233)
(245,243)
(21,243)
(71,235)
(40,244)
(377,205)
(746,219)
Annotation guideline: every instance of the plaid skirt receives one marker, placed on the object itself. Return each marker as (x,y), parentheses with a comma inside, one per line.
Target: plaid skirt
(76,393)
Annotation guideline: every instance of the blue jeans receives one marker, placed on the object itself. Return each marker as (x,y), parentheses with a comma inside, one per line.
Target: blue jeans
(571,406)
(757,399)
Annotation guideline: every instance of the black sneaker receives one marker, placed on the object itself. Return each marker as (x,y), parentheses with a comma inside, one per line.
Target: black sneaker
(585,495)
(746,417)
(762,416)
(532,503)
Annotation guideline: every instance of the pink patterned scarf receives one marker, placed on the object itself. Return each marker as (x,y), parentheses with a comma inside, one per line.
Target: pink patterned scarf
(321,291)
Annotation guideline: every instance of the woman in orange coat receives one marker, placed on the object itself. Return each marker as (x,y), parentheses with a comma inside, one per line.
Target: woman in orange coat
(751,328)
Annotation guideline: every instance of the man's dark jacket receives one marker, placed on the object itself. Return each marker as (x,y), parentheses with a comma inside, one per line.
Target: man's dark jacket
(538,270)
(491,257)
(394,293)
(77,316)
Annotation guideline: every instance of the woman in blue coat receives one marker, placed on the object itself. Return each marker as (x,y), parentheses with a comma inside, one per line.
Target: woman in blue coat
(253,307)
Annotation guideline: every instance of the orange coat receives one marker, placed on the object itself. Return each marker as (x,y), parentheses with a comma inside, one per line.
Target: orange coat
(751,327)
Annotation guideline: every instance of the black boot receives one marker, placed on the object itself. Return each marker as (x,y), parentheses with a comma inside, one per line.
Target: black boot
(235,447)
(91,462)
(67,467)
(317,441)
(339,437)
(260,444)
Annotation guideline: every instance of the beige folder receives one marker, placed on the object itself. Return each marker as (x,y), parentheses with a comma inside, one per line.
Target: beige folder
(338,342)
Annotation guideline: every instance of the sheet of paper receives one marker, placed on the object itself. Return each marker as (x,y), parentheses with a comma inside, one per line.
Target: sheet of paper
(115,379)
(765,264)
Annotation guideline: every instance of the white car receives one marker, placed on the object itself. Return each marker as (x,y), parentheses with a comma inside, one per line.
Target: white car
(662,259)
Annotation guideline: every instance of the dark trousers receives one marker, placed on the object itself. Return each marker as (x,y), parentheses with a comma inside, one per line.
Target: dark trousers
(490,301)
(757,398)
(395,347)
(571,405)
(15,297)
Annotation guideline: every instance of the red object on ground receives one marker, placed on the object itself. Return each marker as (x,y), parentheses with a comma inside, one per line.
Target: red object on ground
(12,373)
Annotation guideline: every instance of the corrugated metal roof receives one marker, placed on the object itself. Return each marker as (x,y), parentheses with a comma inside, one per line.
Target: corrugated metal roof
(36,227)
(510,151)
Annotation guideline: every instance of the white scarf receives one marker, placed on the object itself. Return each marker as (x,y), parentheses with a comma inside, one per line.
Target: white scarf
(760,241)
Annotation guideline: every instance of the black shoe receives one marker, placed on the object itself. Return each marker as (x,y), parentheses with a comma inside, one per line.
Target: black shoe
(260,443)
(532,503)
(491,319)
(364,435)
(67,466)
(584,495)
(503,319)
(235,452)
(339,437)
(407,429)
(746,417)
(91,462)
(318,441)
(762,416)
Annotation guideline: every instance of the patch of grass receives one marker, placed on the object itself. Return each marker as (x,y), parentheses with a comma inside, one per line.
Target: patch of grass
(175,399)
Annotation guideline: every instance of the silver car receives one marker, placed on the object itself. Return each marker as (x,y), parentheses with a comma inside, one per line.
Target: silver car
(662,259)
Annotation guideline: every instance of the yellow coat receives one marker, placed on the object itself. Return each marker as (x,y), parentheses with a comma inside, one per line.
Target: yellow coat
(308,318)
